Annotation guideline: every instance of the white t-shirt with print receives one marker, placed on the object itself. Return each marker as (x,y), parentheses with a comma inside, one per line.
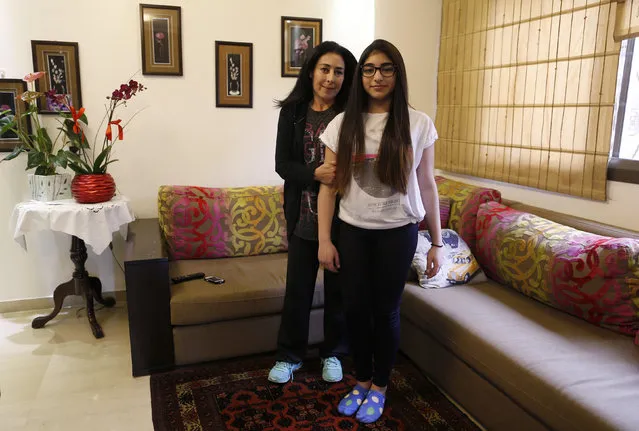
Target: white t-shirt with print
(368,202)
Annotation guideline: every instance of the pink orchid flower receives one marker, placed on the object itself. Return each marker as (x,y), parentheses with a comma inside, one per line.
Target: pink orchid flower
(33,76)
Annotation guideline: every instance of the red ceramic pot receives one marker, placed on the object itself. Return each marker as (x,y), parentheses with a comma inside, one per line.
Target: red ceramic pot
(92,188)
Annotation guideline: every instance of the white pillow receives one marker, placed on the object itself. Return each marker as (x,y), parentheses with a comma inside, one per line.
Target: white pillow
(459,266)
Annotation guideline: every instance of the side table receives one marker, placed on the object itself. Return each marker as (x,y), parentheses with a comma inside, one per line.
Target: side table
(92,224)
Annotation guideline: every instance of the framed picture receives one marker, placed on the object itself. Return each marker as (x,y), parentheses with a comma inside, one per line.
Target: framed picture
(299,35)
(61,66)
(233,74)
(161,29)
(10,91)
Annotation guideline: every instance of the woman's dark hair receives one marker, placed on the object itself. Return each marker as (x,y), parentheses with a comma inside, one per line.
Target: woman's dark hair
(395,157)
(303,90)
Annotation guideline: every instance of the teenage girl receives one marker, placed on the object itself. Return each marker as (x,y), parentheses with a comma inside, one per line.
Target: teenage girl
(384,157)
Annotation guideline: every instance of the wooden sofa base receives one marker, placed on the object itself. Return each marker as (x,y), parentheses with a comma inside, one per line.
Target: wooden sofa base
(234,338)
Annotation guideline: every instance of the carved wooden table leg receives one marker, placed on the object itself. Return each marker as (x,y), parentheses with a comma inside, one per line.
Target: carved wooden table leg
(96,287)
(95,326)
(81,284)
(60,292)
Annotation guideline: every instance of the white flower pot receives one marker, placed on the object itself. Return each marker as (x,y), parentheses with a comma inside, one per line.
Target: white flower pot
(50,187)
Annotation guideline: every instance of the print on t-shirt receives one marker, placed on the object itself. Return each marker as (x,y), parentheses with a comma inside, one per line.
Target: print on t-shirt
(316,123)
(313,156)
(368,203)
(365,175)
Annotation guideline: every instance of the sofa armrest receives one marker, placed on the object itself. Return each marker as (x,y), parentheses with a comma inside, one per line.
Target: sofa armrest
(148,292)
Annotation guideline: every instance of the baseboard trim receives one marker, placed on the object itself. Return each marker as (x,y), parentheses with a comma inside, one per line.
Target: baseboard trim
(47,302)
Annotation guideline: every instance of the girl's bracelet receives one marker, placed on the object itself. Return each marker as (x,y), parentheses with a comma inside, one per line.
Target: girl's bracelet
(437,245)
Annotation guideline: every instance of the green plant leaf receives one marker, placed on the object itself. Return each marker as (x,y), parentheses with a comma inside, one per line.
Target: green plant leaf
(75,160)
(15,153)
(35,159)
(61,159)
(6,127)
(45,170)
(77,169)
(46,140)
(100,159)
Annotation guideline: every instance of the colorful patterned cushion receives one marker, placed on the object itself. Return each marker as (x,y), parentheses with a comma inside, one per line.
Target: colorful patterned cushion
(593,277)
(459,266)
(444,214)
(465,202)
(202,222)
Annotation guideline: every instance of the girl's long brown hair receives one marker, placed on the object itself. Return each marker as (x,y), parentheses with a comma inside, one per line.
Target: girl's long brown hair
(395,157)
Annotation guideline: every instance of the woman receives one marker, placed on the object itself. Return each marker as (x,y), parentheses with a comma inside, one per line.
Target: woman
(384,153)
(319,94)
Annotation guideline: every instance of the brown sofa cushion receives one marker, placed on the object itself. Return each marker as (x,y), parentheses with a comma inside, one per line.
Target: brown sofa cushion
(568,373)
(254,286)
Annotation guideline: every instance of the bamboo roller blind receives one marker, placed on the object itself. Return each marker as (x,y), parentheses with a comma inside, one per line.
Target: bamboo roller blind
(526,91)
(627,23)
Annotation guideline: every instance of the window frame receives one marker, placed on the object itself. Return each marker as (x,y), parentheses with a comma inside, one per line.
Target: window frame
(623,170)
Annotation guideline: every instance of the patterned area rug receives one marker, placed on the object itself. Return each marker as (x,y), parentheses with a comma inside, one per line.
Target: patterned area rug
(236,395)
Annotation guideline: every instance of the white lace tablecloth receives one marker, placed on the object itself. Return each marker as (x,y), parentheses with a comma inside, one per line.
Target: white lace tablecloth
(93,223)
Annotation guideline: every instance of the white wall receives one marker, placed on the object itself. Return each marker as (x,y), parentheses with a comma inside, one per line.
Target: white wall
(180,137)
(414,26)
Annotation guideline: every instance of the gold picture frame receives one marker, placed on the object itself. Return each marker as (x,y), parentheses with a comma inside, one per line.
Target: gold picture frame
(60,63)
(10,92)
(233,74)
(161,38)
(299,36)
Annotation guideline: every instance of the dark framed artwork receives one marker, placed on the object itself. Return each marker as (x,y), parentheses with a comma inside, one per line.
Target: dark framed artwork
(60,63)
(161,36)
(233,74)
(10,92)
(299,36)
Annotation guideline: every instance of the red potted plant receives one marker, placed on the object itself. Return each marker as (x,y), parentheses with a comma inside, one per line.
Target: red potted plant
(92,183)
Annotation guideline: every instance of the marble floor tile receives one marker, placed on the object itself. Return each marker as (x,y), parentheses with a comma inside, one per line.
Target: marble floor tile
(61,378)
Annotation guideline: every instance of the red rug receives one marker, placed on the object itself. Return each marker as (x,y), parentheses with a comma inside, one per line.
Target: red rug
(236,395)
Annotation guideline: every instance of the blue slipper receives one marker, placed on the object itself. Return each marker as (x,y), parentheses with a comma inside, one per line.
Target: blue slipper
(372,407)
(351,402)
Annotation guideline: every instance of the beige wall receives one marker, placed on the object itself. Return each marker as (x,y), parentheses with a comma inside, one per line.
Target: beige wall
(180,137)
(414,27)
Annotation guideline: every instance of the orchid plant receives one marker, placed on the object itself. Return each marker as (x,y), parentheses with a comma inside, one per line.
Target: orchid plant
(80,155)
(44,154)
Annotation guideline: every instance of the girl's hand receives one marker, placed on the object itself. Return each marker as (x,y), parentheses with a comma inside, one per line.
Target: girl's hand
(434,260)
(328,256)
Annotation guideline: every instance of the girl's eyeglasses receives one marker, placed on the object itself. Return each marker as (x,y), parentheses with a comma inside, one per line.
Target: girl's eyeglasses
(386,69)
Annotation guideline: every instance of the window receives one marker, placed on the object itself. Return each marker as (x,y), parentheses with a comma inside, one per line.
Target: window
(624,155)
